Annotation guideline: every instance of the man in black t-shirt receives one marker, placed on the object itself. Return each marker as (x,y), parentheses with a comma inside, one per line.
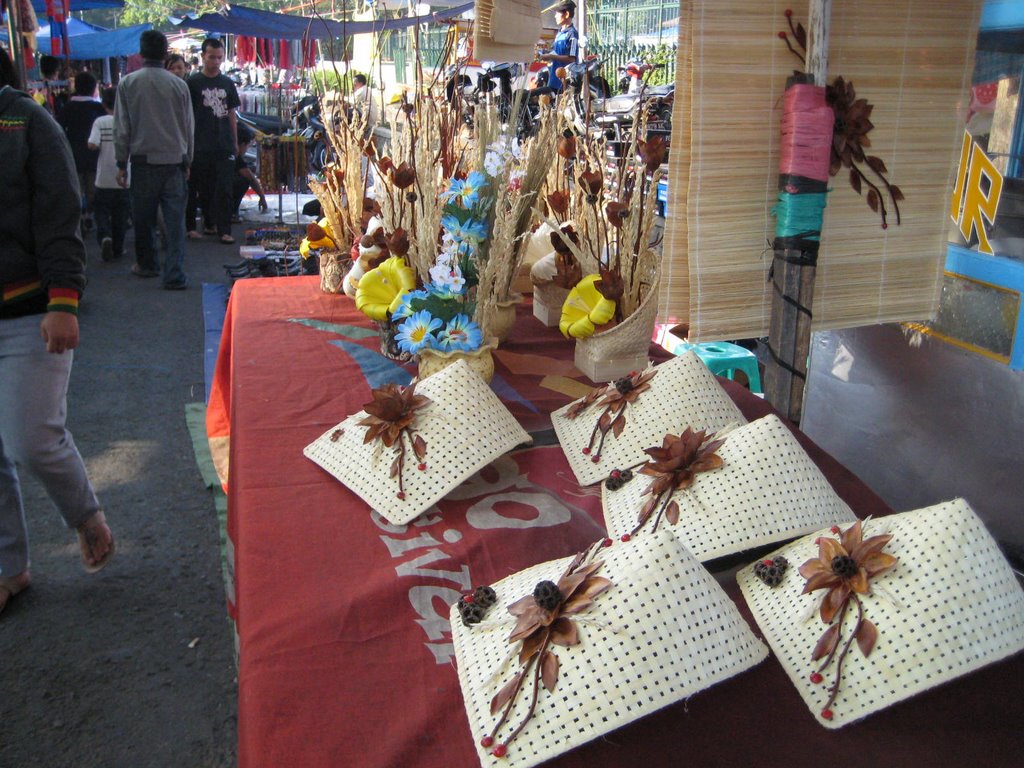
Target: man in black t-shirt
(214,101)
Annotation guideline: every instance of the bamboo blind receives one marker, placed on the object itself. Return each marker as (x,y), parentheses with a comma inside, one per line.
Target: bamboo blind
(912,59)
(506,30)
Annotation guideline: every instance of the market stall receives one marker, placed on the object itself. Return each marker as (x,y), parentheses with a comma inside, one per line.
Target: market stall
(345,652)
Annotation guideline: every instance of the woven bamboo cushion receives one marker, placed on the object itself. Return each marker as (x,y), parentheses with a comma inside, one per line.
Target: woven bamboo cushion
(662,632)
(683,393)
(466,427)
(951,605)
(767,490)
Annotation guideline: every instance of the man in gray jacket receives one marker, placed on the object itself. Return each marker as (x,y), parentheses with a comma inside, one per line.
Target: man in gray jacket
(153,129)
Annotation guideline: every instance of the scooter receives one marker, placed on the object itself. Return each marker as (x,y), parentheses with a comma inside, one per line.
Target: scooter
(306,122)
(616,116)
(586,102)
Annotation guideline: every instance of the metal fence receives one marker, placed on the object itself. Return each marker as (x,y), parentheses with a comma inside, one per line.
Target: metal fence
(621,21)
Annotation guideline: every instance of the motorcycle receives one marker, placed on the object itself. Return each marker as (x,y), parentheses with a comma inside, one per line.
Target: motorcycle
(496,84)
(305,122)
(584,104)
(616,116)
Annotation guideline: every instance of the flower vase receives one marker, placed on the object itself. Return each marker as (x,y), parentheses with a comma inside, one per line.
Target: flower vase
(480,360)
(611,354)
(333,266)
(504,317)
(389,348)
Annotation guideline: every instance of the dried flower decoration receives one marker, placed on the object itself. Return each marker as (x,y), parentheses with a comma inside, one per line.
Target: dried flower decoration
(474,605)
(850,134)
(614,397)
(772,571)
(674,466)
(844,567)
(389,420)
(542,620)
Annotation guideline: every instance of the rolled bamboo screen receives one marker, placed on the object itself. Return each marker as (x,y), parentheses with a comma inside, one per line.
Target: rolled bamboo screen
(506,30)
(911,59)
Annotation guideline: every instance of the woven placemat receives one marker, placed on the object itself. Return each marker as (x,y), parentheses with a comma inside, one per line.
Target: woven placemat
(767,490)
(465,428)
(683,393)
(949,606)
(662,632)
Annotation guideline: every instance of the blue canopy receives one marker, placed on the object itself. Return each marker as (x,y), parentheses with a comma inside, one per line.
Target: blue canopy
(76,28)
(104,45)
(78,5)
(240,20)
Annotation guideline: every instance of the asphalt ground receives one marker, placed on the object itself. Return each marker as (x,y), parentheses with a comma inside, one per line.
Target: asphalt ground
(133,666)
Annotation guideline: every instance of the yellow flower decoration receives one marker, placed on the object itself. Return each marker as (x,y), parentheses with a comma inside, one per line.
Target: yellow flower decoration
(584,309)
(380,290)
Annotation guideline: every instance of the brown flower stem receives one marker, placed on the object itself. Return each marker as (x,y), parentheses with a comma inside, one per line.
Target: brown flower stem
(664,498)
(881,197)
(832,653)
(536,688)
(834,689)
(789,45)
(515,695)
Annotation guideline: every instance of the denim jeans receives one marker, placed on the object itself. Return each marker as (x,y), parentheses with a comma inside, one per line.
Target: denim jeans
(33,387)
(211,187)
(111,208)
(163,187)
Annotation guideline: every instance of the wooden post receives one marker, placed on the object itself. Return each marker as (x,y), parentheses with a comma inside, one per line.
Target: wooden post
(793,272)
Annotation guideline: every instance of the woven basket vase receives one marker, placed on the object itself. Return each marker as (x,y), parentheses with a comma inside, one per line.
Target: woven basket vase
(479,360)
(613,353)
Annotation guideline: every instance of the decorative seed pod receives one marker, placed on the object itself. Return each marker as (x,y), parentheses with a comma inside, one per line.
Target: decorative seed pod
(547,595)
(771,572)
(485,596)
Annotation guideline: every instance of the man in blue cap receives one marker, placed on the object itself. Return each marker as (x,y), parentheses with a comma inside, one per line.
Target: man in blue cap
(566,47)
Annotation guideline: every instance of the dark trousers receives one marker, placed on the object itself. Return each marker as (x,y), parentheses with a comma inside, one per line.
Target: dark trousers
(111,208)
(160,187)
(209,188)
(240,186)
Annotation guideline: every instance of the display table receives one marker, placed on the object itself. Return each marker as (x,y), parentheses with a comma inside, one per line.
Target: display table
(345,650)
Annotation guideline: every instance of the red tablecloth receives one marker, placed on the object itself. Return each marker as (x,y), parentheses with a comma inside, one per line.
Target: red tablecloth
(345,655)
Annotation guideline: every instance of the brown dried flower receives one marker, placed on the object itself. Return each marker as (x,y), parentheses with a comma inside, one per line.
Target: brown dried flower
(617,213)
(542,620)
(398,243)
(567,147)
(403,176)
(674,466)
(610,285)
(389,419)
(559,239)
(592,181)
(652,152)
(559,202)
(614,397)
(844,567)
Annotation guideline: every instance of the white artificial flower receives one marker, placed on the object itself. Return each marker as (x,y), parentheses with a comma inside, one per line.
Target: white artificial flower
(493,164)
(447,276)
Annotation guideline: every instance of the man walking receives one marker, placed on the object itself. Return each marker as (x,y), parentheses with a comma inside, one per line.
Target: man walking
(153,129)
(214,101)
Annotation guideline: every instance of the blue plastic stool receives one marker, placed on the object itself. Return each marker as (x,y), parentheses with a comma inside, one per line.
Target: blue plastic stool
(724,359)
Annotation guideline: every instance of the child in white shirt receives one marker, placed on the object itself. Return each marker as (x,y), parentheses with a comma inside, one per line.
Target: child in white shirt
(112,204)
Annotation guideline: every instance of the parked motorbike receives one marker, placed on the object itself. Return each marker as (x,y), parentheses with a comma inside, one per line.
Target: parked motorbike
(496,84)
(306,122)
(616,116)
(588,101)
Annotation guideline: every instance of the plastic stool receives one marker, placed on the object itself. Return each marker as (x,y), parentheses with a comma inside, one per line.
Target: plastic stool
(724,359)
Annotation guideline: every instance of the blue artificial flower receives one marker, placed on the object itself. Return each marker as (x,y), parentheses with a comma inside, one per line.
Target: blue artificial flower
(461,334)
(465,191)
(471,231)
(417,332)
(471,189)
(405,308)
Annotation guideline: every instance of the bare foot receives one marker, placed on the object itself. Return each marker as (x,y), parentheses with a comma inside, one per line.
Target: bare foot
(11,586)
(96,542)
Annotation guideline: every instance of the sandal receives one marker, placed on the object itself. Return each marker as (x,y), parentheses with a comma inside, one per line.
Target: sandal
(92,534)
(10,586)
(193,235)
(209,230)
(140,272)
(227,239)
